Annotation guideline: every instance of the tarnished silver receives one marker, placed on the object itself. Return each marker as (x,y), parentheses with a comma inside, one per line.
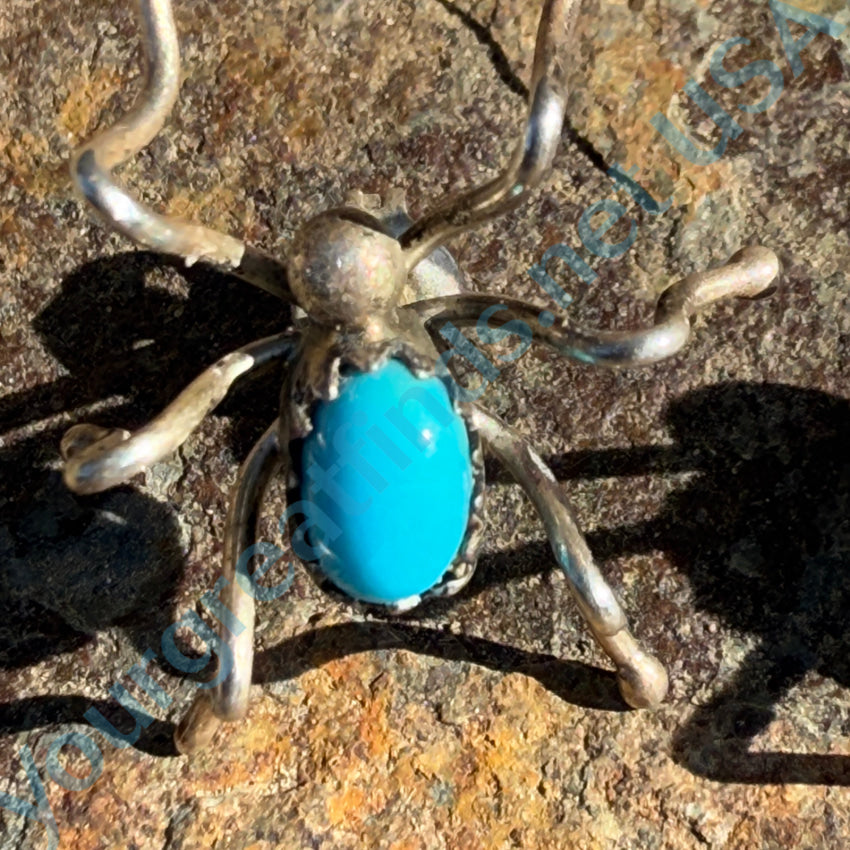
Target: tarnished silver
(534,155)
(228,701)
(97,459)
(367,286)
(92,164)
(642,679)
(748,273)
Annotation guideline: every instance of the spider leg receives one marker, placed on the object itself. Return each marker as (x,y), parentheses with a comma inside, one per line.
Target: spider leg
(229,699)
(748,274)
(642,679)
(534,155)
(93,161)
(98,458)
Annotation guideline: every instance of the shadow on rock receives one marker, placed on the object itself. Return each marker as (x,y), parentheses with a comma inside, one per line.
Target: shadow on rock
(763,535)
(73,566)
(117,335)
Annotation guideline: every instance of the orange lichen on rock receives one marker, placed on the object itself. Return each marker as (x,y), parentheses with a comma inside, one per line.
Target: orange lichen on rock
(84,106)
(496,783)
(26,158)
(631,82)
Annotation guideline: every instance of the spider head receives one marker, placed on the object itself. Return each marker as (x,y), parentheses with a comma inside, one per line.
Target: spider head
(345,269)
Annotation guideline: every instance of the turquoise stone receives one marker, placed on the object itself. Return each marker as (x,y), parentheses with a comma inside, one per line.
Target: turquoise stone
(386,484)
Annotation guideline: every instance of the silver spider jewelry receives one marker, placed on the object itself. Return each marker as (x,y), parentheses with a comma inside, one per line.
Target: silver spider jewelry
(383,454)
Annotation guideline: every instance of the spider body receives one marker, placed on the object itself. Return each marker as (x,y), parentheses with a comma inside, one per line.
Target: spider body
(368,396)
(385,464)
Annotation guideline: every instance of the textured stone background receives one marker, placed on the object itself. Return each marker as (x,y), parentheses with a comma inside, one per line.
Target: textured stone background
(715,488)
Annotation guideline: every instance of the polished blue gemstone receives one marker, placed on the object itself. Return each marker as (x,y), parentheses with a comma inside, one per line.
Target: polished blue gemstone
(386,484)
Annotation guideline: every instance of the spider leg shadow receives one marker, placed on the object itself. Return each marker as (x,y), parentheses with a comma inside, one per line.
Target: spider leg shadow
(573,681)
(716,740)
(72,569)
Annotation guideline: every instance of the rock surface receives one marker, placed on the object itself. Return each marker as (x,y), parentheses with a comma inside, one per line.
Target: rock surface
(715,488)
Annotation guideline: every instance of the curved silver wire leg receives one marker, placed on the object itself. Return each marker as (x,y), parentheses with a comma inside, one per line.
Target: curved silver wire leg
(749,273)
(228,701)
(533,157)
(99,458)
(93,161)
(641,677)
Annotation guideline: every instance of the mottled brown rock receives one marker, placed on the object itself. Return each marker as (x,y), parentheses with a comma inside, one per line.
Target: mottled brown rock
(715,489)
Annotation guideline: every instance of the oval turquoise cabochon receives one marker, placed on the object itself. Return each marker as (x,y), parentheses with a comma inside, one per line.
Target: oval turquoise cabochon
(387,480)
